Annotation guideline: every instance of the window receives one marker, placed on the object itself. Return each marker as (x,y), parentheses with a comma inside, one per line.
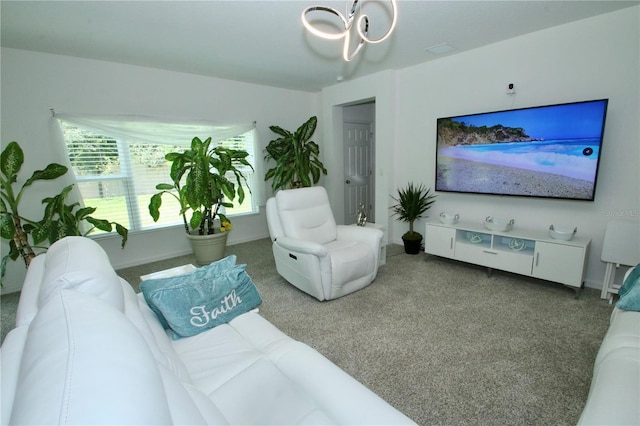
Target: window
(119,176)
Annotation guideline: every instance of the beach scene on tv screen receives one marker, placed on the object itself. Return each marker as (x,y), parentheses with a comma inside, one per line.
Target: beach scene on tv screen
(549,151)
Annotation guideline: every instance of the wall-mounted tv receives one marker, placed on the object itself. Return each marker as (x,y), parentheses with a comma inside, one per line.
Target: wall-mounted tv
(550,151)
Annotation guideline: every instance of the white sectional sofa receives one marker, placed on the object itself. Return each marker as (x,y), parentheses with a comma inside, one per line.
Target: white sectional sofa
(614,396)
(88,350)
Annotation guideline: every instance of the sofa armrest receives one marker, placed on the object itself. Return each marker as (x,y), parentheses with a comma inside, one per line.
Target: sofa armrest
(299,246)
(11,356)
(94,354)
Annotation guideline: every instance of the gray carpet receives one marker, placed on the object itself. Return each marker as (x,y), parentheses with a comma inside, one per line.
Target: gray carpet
(440,340)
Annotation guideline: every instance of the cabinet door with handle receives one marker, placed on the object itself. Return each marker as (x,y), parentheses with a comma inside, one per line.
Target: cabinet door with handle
(439,240)
(560,263)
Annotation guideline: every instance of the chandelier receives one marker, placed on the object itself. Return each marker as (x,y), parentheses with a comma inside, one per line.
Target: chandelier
(361,25)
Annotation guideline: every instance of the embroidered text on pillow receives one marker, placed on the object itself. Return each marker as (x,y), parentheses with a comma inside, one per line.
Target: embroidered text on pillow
(200,315)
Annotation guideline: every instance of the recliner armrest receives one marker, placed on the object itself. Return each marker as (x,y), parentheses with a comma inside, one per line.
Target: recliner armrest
(370,236)
(300,246)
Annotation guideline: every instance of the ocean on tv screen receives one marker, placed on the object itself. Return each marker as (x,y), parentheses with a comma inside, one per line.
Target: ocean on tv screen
(572,158)
(550,151)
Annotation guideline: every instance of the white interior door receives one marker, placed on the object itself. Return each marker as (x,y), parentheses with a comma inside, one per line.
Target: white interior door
(358,173)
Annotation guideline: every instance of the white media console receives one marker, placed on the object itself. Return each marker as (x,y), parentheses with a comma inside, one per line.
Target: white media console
(531,253)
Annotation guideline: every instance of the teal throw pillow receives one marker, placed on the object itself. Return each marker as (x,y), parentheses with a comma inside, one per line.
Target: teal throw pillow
(630,291)
(205,272)
(192,303)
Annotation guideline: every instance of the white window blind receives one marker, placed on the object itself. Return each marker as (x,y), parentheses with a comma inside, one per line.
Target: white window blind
(116,169)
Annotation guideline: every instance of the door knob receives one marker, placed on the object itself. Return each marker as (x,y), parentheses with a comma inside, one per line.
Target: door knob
(348,181)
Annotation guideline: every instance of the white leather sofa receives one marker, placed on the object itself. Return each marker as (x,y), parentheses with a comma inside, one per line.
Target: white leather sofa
(614,396)
(88,350)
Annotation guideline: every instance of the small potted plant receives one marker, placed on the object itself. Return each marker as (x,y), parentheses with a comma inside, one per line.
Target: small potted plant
(200,182)
(296,156)
(412,202)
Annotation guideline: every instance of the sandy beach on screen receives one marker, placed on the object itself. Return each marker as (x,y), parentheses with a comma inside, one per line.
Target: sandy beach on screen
(470,176)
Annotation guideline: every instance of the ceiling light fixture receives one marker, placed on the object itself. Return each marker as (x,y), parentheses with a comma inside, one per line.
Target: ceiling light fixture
(362,26)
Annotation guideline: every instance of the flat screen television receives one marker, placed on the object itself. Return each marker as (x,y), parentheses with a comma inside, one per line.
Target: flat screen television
(550,151)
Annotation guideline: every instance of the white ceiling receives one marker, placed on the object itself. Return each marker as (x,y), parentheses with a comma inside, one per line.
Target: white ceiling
(264,42)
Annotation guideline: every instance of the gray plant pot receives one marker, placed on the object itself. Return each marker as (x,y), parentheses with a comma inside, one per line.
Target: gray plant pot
(208,248)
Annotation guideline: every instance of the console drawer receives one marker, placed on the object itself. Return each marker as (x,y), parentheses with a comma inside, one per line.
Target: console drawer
(496,259)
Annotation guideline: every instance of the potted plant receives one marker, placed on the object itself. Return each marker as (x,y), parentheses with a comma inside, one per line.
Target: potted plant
(412,202)
(28,237)
(296,156)
(206,188)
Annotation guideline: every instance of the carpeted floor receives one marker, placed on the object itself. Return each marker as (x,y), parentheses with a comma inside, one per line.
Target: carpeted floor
(440,340)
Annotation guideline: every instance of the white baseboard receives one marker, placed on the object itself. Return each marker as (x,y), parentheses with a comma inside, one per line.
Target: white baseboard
(151,259)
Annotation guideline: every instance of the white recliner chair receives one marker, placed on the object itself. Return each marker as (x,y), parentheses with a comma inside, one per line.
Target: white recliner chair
(314,254)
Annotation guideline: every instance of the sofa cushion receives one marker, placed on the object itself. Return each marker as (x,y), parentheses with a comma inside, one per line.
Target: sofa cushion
(192,303)
(80,263)
(287,381)
(215,357)
(277,400)
(187,404)
(83,361)
(230,367)
(630,291)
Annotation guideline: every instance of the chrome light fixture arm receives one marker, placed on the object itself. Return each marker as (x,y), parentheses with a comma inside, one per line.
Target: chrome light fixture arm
(362,27)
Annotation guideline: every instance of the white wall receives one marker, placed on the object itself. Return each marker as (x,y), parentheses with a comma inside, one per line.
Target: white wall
(590,59)
(360,113)
(379,87)
(34,82)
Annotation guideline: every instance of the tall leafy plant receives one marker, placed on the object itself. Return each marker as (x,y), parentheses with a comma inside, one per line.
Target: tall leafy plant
(297,157)
(200,183)
(26,236)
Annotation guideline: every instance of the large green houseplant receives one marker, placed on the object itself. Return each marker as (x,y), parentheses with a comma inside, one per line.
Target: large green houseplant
(200,182)
(412,202)
(28,237)
(297,157)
